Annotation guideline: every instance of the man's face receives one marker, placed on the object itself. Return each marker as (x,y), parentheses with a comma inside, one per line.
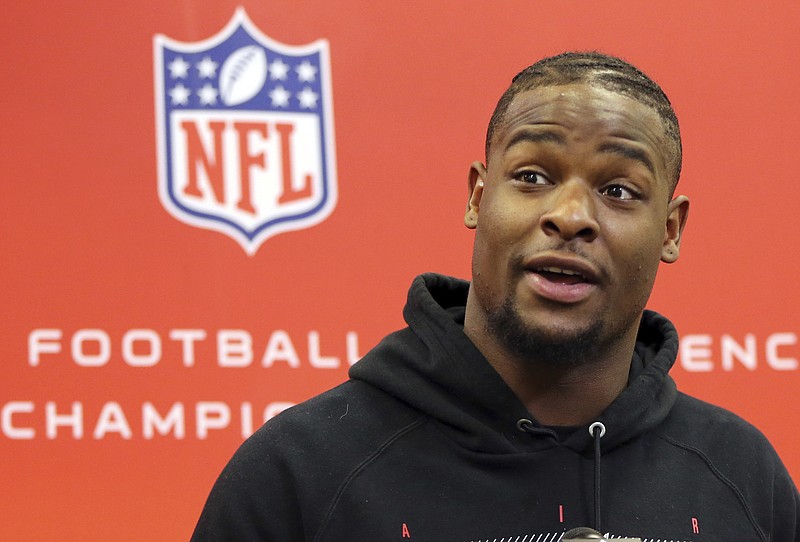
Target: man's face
(572,217)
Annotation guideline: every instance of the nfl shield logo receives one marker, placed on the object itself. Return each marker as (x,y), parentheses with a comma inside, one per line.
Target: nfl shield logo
(245,133)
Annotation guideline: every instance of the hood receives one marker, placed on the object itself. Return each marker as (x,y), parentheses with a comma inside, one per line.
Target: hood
(434,367)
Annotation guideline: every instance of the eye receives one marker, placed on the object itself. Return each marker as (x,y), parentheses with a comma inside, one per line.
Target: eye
(620,192)
(531,177)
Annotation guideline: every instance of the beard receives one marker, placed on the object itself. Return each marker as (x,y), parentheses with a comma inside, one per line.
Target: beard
(529,344)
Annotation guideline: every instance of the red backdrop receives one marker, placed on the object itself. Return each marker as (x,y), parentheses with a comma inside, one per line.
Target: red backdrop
(124,444)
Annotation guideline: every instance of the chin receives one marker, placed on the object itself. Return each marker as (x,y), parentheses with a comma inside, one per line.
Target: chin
(552,344)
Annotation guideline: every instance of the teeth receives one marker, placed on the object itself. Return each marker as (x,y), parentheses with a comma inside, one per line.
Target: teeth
(562,271)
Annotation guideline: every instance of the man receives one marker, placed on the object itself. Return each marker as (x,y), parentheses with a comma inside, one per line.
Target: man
(535,399)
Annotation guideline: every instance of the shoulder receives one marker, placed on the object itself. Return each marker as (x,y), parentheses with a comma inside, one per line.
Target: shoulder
(324,438)
(733,450)
(696,422)
(284,479)
(739,456)
(349,420)
(722,438)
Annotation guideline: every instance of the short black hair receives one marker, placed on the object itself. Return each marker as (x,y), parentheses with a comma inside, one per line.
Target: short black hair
(599,69)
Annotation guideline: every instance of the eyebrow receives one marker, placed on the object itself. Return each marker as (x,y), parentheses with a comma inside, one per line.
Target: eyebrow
(628,152)
(535,137)
(531,136)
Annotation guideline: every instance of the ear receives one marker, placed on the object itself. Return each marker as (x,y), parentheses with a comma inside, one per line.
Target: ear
(678,212)
(476,180)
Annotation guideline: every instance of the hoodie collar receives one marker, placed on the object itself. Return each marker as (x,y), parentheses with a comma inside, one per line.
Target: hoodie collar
(434,367)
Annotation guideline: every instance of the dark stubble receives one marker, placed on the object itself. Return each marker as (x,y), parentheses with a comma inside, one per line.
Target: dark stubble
(529,344)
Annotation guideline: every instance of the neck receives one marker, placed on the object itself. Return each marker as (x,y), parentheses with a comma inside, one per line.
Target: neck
(566,396)
(560,394)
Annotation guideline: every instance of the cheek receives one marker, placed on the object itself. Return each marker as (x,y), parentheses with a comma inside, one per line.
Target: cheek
(644,273)
(646,261)
(504,221)
(487,251)
(639,253)
(486,279)
(492,253)
(482,256)
(495,230)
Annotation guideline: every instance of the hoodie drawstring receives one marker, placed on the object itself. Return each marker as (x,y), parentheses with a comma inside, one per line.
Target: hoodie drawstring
(596,431)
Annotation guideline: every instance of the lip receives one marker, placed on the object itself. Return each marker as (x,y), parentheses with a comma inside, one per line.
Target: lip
(561,292)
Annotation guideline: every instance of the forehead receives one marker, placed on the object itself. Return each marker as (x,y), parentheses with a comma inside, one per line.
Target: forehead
(583,110)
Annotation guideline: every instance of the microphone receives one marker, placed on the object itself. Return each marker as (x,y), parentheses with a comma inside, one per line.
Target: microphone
(585,534)
(579,534)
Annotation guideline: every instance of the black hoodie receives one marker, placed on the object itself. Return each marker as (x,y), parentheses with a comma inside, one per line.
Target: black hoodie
(426,442)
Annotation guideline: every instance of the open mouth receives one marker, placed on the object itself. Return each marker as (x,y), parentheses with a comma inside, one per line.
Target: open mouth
(562,277)
(559,275)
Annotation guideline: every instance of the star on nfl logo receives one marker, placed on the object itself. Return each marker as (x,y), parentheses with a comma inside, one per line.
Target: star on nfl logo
(245,133)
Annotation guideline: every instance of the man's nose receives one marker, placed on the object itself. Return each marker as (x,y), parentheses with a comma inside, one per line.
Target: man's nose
(570,213)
